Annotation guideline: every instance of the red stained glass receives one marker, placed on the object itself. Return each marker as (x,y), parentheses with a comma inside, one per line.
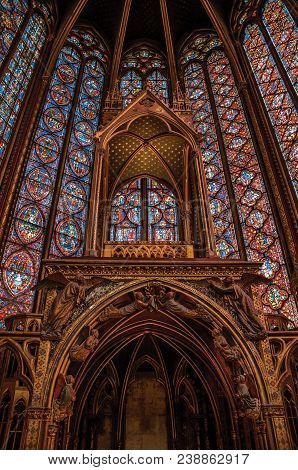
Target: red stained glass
(24,246)
(284,35)
(226,242)
(144,199)
(252,201)
(281,109)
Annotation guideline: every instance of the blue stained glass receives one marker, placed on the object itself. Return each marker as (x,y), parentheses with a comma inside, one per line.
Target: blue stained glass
(76,183)
(17,76)
(23,250)
(12,14)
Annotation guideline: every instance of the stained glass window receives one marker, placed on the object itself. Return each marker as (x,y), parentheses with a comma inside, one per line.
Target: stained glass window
(284,35)
(214,98)
(162,213)
(225,235)
(279,104)
(71,217)
(130,85)
(144,209)
(18,74)
(126,213)
(143,68)
(26,237)
(12,14)
(157,83)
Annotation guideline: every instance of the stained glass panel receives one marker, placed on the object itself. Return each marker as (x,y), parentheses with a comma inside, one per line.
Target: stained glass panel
(259,231)
(162,213)
(12,14)
(23,250)
(130,85)
(281,109)
(126,213)
(16,79)
(284,35)
(225,236)
(71,217)
(157,83)
(144,210)
(141,68)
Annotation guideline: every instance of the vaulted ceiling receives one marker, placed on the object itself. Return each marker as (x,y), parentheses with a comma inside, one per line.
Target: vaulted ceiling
(145,18)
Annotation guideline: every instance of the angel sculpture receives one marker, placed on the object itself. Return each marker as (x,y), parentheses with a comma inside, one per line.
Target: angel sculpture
(230,353)
(80,352)
(172,306)
(113,312)
(249,407)
(72,294)
(241,303)
(64,397)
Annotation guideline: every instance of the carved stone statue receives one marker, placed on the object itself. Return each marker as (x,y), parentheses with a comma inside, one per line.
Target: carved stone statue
(71,294)
(80,352)
(241,303)
(249,407)
(113,312)
(172,306)
(64,398)
(230,353)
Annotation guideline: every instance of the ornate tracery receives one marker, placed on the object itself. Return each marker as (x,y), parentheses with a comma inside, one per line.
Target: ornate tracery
(142,67)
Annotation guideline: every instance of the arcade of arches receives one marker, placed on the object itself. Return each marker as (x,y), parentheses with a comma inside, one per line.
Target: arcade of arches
(148,207)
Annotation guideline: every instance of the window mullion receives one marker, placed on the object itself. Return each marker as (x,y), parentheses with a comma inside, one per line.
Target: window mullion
(144,213)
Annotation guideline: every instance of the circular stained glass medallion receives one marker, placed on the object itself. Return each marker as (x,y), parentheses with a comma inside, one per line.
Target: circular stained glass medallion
(79,162)
(68,237)
(84,133)
(74,196)
(29,223)
(88,108)
(18,272)
(38,183)
(54,119)
(92,87)
(60,94)
(47,148)
(66,73)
